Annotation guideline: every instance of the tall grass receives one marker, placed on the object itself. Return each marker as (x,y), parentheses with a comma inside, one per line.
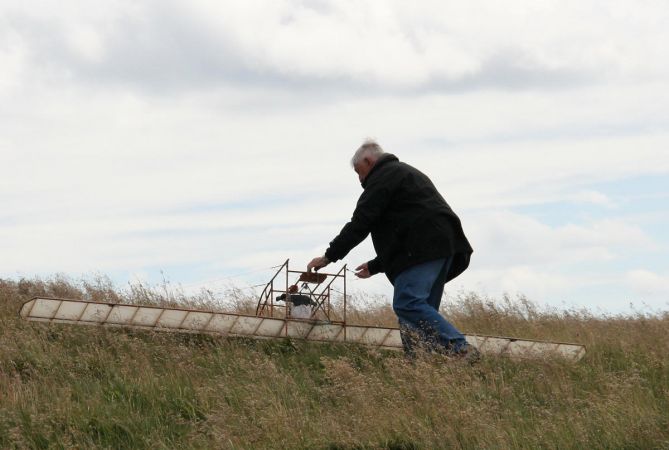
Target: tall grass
(84,387)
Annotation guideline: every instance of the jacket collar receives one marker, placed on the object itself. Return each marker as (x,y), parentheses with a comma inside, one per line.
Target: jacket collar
(383,160)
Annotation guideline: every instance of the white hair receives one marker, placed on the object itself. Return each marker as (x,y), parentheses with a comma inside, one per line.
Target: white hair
(368,148)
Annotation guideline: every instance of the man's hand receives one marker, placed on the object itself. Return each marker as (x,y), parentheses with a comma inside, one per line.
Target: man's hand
(362,271)
(317,263)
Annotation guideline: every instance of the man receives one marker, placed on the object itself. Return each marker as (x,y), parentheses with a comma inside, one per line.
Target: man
(419,242)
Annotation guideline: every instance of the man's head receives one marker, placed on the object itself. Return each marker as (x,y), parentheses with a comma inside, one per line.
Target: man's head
(365,157)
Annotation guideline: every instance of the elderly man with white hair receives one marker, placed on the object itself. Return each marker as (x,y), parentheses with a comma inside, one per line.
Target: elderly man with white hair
(419,242)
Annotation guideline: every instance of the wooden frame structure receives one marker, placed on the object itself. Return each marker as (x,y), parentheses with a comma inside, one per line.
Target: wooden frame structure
(318,286)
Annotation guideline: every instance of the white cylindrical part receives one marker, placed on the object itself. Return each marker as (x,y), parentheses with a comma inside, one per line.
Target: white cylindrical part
(301,312)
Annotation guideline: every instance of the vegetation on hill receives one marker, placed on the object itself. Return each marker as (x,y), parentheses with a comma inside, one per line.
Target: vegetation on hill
(88,387)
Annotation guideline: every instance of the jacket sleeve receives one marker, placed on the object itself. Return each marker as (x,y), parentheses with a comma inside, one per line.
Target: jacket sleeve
(375,266)
(371,205)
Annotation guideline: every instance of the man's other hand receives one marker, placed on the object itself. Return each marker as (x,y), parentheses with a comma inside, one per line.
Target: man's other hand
(362,271)
(317,263)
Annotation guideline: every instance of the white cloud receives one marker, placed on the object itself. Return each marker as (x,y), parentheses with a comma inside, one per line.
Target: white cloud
(502,238)
(378,44)
(409,44)
(12,61)
(648,284)
(218,134)
(538,285)
(559,265)
(86,42)
(593,197)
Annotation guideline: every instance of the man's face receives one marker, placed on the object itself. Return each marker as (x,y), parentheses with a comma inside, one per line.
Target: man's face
(363,167)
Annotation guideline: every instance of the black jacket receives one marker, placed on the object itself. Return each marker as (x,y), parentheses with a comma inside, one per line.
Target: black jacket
(410,222)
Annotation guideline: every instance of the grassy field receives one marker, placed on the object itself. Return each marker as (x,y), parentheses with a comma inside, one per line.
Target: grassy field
(83,387)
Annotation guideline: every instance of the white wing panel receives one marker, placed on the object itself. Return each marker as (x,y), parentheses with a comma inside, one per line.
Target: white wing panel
(171,318)
(221,323)
(96,312)
(70,310)
(246,325)
(146,317)
(196,321)
(299,329)
(271,328)
(122,314)
(327,332)
(45,308)
(82,312)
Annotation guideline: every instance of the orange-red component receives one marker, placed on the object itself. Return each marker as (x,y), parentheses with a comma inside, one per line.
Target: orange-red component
(312,277)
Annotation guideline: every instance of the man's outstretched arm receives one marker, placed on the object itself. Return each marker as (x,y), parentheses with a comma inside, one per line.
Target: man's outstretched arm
(370,206)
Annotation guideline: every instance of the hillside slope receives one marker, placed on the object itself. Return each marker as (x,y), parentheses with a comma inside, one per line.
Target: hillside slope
(86,387)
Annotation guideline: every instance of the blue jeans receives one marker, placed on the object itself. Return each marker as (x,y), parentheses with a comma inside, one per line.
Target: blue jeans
(416,300)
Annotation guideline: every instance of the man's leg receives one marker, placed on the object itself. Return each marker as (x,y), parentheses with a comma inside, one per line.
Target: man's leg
(437,292)
(457,338)
(413,289)
(463,348)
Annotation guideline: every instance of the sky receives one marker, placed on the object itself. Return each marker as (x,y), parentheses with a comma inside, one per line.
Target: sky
(205,142)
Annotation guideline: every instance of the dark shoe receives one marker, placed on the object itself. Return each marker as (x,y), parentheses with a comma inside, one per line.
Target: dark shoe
(470,354)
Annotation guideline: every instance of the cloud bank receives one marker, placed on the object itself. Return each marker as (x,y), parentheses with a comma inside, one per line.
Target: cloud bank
(213,137)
